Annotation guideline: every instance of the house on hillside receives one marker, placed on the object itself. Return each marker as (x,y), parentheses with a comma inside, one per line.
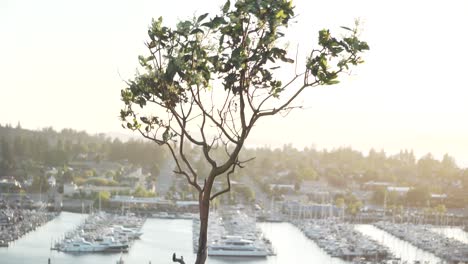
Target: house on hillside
(438,198)
(313,186)
(287,187)
(69,189)
(52,181)
(89,189)
(374,185)
(297,209)
(401,191)
(134,178)
(9,184)
(51,171)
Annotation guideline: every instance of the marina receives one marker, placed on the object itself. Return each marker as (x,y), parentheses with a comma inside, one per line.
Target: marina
(401,249)
(233,234)
(162,237)
(15,223)
(453,232)
(102,232)
(423,237)
(341,240)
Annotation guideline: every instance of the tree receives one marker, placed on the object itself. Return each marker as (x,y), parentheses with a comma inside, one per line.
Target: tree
(7,163)
(353,207)
(440,210)
(418,196)
(448,168)
(142,192)
(155,170)
(101,199)
(208,82)
(340,203)
(379,195)
(40,184)
(297,186)
(308,173)
(427,166)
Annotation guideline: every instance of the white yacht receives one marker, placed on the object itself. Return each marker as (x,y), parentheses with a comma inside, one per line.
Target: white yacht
(129,232)
(163,215)
(112,245)
(236,246)
(81,245)
(186,216)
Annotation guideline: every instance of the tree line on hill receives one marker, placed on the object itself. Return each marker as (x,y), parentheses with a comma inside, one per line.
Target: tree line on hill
(23,152)
(28,152)
(344,167)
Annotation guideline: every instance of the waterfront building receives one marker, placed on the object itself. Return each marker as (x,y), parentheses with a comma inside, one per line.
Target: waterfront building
(69,189)
(9,184)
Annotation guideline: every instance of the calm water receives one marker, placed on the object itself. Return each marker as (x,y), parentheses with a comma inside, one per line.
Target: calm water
(163,237)
(453,232)
(160,239)
(401,249)
(35,246)
(294,247)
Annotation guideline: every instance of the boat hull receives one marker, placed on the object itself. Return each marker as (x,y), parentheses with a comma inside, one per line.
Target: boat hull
(237,253)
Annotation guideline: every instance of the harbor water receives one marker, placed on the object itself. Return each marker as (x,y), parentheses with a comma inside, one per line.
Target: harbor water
(401,249)
(162,237)
(453,232)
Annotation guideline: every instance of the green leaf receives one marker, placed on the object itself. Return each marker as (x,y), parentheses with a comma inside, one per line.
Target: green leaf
(288,60)
(195,31)
(280,14)
(171,70)
(166,135)
(347,28)
(144,120)
(200,18)
(363,45)
(324,36)
(218,21)
(152,44)
(226,6)
(215,22)
(332,82)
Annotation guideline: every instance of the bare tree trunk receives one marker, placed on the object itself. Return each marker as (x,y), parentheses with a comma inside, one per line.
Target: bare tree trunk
(203,233)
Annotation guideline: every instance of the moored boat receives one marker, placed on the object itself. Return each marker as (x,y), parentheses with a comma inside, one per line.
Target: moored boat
(235,246)
(3,243)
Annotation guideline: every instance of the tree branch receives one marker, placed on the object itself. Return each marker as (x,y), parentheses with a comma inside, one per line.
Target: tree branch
(179,260)
(193,183)
(219,125)
(228,182)
(286,104)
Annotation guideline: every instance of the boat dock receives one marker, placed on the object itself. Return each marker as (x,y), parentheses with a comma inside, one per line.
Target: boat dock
(423,237)
(232,233)
(14,223)
(342,240)
(102,232)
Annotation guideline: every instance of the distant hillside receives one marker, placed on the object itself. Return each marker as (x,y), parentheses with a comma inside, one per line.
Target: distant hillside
(47,147)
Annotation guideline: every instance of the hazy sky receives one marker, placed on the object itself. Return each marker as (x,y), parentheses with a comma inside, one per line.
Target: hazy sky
(62,64)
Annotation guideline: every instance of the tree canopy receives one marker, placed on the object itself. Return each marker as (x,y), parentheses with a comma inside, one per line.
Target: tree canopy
(207,81)
(211,78)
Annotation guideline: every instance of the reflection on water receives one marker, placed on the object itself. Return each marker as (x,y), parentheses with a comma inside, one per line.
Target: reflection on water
(453,232)
(35,246)
(161,238)
(294,247)
(401,249)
